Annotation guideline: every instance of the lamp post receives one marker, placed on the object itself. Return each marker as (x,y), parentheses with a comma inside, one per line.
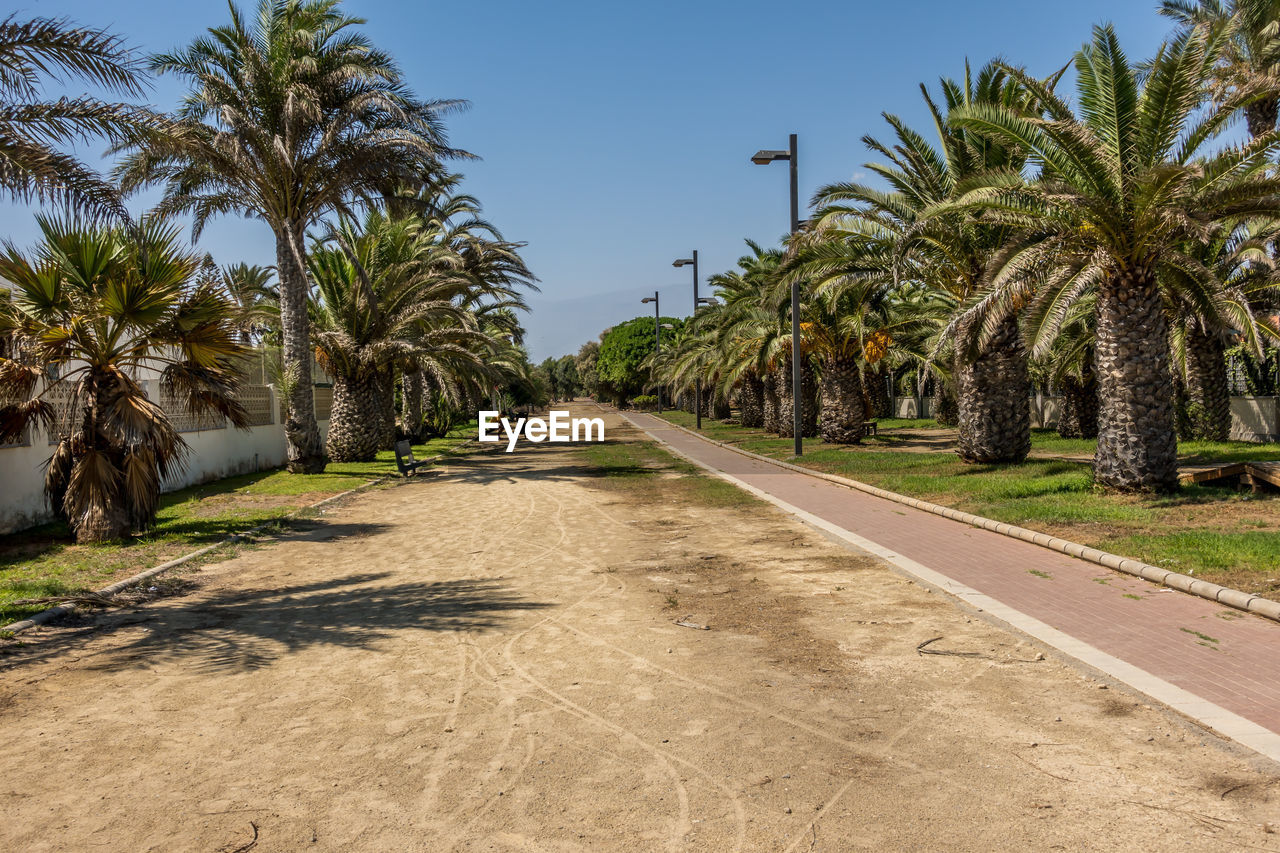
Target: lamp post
(657,336)
(763,158)
(697,380)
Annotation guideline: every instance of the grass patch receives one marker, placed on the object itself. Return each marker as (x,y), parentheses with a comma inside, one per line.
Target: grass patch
(44,562)
(1204,637)
(1214,533)
(1204,552)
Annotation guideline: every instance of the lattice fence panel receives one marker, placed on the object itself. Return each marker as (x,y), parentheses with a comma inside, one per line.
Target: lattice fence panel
(184,421)
(324,403)
(256,400)
(60,398)
(323,398)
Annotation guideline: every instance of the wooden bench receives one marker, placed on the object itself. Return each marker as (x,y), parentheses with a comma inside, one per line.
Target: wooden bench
(405,461)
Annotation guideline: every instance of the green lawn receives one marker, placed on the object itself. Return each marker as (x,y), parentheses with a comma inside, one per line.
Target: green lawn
(44,561)
(1214,533)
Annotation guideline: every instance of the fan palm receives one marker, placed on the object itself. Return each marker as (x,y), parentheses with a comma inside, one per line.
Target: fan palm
(31,129)
(95,307)
(289,117)
(1119,194)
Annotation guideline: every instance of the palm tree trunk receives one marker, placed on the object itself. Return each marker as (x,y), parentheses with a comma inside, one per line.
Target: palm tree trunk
(751,400)
(1208,400)
(1137,447)
(719,404)
(946,411)
(786,400)
(387,408)
(1078,417)
(771,413)
(411,388)
(1260,116)
(306,452)
(103,511)
(843,405)
(808,400)
(994,396)
(355,422)
(102,521)
(876,390)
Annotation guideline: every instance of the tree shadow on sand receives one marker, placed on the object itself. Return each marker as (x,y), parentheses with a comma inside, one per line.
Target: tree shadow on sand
(244,630)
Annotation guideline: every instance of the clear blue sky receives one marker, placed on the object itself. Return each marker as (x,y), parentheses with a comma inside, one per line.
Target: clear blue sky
(615,137)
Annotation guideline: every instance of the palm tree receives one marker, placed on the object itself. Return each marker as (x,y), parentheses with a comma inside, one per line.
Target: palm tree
(289,117)
(949,250)
(250,289)
(95,307)
(847,262)
(372,294)
(1222,300)
(749,336)
(1249,63)
(857,316)
(1065,359)
(1249,60)
(392,295)
(1119,194)
(31,129)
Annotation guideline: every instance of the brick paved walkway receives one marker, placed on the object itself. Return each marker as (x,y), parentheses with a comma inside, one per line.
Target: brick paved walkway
(1219,654)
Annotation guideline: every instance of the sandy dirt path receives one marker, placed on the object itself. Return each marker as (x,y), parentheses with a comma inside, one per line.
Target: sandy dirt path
(488,659)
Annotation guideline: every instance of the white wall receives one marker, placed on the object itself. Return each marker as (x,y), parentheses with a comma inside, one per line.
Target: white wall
(905,407)
(214,454)
(1044,411)
(22,484)
(1254,419)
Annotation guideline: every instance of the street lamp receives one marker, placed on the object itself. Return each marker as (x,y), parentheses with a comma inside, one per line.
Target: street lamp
(697,380)
(764,158)
(657,336)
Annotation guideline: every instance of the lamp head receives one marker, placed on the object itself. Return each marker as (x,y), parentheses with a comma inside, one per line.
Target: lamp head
(682,262)
(648,299)
(766,156)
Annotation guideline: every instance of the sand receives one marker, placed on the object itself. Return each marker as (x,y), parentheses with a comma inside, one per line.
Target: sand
(488,658)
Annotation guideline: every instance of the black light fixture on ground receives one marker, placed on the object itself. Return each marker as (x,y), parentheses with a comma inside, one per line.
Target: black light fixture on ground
(657,336)
(697,380)
(764,158)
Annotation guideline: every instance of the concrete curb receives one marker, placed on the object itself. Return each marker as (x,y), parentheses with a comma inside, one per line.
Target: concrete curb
(64,609)
(1174,580)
